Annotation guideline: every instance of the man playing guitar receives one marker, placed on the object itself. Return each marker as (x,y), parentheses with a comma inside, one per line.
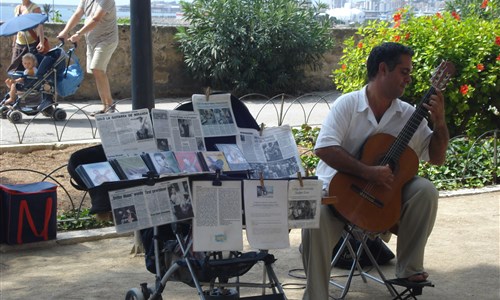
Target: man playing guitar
(353,119)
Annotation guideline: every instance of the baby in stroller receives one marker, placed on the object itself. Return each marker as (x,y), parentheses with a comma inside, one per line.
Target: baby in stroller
(30,64)
(36,93)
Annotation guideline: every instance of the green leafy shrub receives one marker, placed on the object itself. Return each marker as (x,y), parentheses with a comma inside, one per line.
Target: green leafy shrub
(471,43)
(470,163)
(251,45)
(80,220)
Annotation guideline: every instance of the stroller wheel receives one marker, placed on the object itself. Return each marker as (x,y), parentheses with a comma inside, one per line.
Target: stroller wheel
(137,294)
(3,112)
(59,114)
(15,116)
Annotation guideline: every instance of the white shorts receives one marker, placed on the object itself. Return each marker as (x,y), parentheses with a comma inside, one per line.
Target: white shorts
(99,57)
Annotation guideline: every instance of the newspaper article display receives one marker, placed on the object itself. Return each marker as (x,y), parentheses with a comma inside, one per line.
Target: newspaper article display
(177,130)
(147,206)
(266,213)
(274,153)
(126,133)
(304,202)
(216,114)
(218,222)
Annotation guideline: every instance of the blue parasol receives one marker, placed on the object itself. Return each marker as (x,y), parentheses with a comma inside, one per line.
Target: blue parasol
(21,23)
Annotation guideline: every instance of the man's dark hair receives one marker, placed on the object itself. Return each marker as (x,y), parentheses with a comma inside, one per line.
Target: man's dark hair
(389,53)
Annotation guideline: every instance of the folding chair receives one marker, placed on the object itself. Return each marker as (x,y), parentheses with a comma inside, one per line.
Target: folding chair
(412,289)
(350,231)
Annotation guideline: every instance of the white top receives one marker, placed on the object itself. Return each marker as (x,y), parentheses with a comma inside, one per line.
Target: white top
(351,121)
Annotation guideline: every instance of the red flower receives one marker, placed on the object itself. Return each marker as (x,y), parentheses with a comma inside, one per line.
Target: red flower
(397,17)
(464,89)
(498,57)
(344,67)
(439,15)
(396,25)
(407,36)
(497,40)
(397,38)
(455,15)
(484,4)
(480,67)
(360,45)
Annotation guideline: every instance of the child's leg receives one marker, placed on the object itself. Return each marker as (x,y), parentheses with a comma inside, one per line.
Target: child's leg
(12,94)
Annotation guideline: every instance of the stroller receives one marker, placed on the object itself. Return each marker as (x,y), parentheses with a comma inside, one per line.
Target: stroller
(38,94)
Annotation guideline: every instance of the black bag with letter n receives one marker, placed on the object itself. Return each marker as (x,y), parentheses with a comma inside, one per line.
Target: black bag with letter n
(28,212)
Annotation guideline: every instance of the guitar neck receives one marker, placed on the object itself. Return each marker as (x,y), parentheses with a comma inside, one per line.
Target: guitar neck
(409,129)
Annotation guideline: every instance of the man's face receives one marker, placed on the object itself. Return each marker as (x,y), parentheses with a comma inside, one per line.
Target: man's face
(397,79)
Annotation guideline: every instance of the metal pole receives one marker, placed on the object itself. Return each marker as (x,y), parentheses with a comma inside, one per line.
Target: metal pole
(142,54)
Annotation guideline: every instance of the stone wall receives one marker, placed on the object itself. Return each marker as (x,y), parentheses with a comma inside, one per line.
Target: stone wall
(170,74)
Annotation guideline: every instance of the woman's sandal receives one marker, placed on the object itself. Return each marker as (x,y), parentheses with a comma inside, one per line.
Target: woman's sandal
(110,109)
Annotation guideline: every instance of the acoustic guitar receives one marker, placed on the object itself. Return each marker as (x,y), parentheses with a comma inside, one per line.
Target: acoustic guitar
(376,208)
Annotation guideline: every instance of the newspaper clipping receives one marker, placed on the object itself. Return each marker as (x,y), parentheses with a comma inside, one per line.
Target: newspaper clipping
(126,134)
(273,153)
(304,203)
(147,206)
(218,222)
(216,114)
(265,213)
(177,130)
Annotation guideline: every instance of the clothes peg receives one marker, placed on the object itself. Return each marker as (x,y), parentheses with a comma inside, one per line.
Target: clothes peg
(217,181)
(299,176)
(208,91)
(261,178)
(262,125)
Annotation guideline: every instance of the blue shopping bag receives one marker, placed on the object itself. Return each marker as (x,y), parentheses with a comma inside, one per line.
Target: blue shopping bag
(71,78)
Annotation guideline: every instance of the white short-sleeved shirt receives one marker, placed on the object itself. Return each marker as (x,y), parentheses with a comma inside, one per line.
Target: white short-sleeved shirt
(351,121)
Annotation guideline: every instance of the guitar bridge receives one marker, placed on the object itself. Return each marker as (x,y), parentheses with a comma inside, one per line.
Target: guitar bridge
(363,194)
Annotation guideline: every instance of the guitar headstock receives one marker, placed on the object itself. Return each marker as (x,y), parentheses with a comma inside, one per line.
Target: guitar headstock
(442,74)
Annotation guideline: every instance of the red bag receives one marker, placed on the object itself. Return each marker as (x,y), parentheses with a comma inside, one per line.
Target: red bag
(28,212)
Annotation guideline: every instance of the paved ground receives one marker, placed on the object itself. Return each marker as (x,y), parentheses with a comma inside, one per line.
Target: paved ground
(462,257)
